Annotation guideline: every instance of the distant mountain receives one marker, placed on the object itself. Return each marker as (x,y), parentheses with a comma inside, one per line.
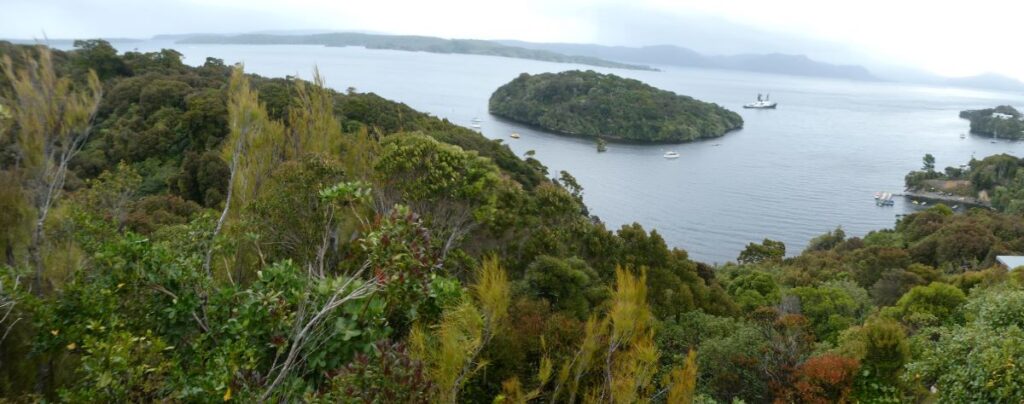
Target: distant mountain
(408,43)
(797,65)
(988,81)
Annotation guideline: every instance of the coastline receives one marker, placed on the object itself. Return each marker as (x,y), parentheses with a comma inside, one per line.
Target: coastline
(946,199)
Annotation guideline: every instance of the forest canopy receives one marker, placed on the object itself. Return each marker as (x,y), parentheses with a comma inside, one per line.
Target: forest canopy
(591,104)
(219,236)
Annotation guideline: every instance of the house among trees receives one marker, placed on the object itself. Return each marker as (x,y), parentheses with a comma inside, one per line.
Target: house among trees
(1011,262)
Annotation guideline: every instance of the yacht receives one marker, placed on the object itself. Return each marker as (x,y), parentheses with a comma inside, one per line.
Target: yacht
(671,155)
(762,103)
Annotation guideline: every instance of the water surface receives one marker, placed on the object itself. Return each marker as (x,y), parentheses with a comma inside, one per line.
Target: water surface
(789,174)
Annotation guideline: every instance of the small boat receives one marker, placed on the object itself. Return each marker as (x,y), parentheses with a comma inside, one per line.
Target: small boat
(475,119)
(914,202)
(762,103)
(475,126)
(963,135)
(514,135)
(884,199)
(671,155)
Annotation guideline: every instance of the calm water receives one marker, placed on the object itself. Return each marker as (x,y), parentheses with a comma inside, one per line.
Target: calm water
(790,174)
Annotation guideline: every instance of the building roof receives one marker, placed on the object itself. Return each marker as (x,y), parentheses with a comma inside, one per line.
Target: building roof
(1011,261)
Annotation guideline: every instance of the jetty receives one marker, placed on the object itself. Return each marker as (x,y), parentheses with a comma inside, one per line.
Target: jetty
(946,198)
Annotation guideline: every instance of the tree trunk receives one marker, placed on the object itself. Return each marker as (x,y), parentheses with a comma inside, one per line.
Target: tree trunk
(35,258)
(220,221)
(9,255)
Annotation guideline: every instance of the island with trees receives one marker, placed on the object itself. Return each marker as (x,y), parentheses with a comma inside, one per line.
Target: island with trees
(1003,122)
(591,104)
(175,233)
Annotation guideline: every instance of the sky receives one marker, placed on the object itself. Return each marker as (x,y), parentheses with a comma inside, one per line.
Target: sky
(951,38)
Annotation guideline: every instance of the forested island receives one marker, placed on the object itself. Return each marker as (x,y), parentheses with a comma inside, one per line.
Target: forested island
(591,104)
(413,43)
(194,234)
(1003,121)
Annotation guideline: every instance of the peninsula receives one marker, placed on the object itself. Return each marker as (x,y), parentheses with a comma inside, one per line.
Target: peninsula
(413,43)
(591,104)
(1003,121)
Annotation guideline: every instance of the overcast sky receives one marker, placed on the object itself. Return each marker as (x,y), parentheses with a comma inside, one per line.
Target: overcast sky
(953,38)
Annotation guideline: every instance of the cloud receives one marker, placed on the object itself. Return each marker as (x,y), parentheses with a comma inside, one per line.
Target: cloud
(952,38)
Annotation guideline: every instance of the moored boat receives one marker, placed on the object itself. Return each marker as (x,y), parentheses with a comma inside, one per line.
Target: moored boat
(671,155)
(762,103)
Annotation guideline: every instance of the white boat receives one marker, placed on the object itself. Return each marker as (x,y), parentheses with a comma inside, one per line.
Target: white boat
(514,135)
(671,155)
(475,119)
(475,126)
(884,199)
(762,103)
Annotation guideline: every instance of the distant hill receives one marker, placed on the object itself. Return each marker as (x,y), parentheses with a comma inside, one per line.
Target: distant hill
(605,106)
(409,43)
(988,81)
(797,65)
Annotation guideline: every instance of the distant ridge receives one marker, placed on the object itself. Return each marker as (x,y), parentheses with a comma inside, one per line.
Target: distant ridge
(989,81)
(408,43)
(777,63)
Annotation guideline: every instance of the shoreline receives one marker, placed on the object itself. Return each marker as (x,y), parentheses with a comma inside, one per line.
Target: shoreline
(945,199)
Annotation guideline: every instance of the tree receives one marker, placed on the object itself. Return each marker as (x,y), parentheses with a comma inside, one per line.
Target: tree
(928,163)
(454,189)
(829,308)
(827,241)
(97,55)
(53,118)
(253,148)
(754,289)
(570,285)
(313,128)
(617,351)
(826,379)
(934,304)
(767,251)
(893,284)
(450,353)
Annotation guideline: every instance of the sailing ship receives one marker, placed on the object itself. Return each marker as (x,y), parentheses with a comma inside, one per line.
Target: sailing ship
(762,103)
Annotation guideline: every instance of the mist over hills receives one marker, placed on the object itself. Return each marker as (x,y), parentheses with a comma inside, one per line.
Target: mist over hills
(778,63)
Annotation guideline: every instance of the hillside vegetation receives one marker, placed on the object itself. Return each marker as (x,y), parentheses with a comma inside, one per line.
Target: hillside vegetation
(1003,122)
(195,234)
(592,104)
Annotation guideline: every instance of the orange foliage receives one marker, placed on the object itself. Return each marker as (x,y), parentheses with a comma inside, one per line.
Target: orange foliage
(825,379)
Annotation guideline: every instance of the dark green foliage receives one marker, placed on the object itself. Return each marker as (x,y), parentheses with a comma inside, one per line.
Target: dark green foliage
(730,354)
(610,107)
(570,285)
(386,375)
(827,241)
(767,251)
(98,55)
(830,309)
(754,289)
(984,122)
(133,316)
